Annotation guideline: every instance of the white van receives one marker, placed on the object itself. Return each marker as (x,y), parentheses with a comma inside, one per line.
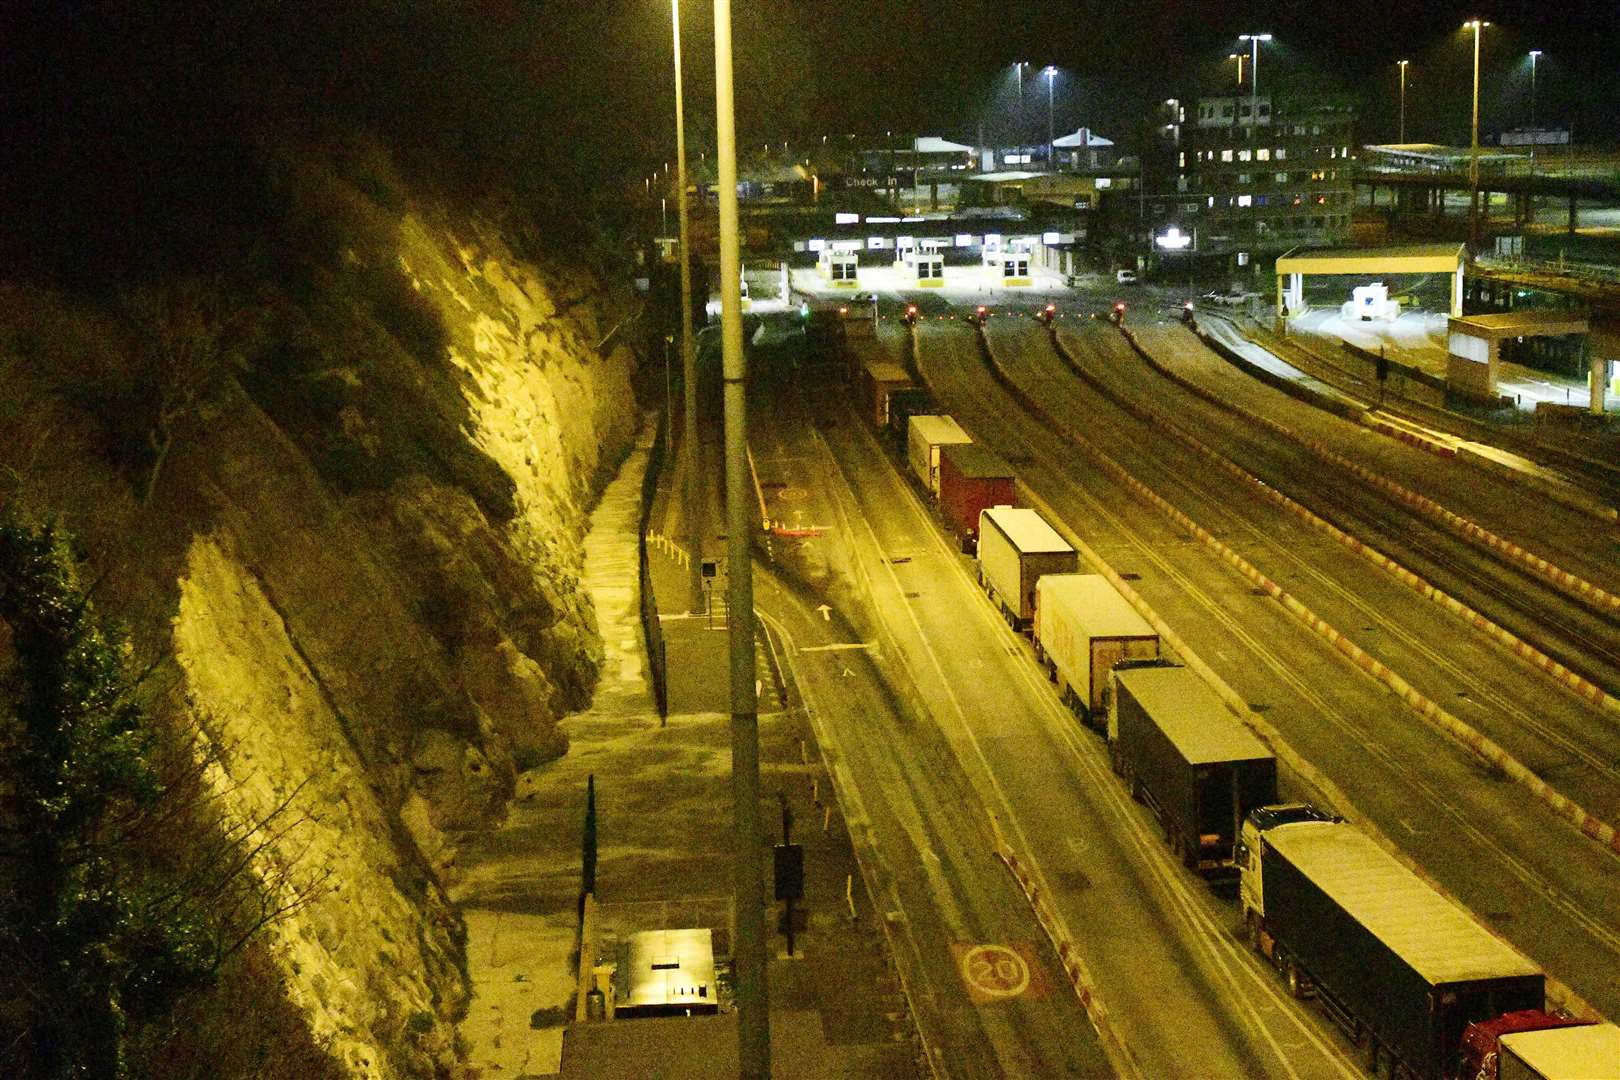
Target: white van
(1125,277)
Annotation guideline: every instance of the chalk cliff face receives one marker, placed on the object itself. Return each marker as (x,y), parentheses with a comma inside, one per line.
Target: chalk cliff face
(364,556)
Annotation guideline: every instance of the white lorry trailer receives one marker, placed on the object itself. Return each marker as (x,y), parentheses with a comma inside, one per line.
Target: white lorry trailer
(924,436)
(1016,547)
(1083,627)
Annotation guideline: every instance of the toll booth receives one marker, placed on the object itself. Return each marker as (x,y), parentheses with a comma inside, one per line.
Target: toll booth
(1006,264)
(840,267)
(926,263)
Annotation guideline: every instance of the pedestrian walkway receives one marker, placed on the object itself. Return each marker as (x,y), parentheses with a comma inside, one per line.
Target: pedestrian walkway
(665,849)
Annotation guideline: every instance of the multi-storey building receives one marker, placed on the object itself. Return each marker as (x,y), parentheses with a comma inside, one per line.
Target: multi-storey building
(1268,180)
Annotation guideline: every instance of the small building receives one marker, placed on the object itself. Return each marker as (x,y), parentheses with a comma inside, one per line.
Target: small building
(1083,149)
(1474,344)
(667,973)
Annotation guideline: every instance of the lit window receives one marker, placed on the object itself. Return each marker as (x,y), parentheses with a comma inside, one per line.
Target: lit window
(1243,155)
(1181,159)
(1282,153)
(1281,178)
(1226,155)
(1244,200)
(1263,154)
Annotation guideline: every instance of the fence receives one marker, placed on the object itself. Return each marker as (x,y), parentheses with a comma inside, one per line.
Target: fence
(651,630)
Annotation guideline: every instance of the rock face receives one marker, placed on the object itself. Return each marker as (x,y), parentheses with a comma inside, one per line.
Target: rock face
(388,655)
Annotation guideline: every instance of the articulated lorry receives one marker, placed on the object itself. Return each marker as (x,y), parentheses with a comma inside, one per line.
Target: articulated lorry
(1083,627)
(1185,754)
(1403,968)
(1536,1045)
(1017,546)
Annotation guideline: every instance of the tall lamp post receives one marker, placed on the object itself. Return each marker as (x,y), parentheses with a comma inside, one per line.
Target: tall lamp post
(1239,57)
(1535,54)
(753,1012)
(1476,25)
(1018,121)
(1254,41)
(1051,141)
(689,439)
(1403,64)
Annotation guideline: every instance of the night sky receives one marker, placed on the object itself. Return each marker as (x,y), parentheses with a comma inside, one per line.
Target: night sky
(117,113)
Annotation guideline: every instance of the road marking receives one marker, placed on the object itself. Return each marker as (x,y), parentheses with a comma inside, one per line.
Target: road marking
(992,972)
(838,646)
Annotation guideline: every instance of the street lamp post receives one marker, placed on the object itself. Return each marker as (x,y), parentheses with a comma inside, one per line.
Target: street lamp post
(1051,141)
(1403,64)
(1476,25)
(689,439)
(1535,54)
(1239,57)
(1254,41)
(753,1006)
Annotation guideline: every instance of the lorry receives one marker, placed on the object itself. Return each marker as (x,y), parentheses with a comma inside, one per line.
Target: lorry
(1083,627)
(1536,1045)
(1185,754)
(971,478)
(1017,546)
(1403,968)
(924,437)
(879,381)
(1585,1052)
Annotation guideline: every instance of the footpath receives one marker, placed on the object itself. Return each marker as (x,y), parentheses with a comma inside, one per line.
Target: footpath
(663,810)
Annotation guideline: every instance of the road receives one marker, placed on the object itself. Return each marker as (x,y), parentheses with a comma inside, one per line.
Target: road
(1178,984)
(1532,877)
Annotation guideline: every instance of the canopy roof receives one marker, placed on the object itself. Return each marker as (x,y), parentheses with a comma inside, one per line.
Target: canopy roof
(1081,137)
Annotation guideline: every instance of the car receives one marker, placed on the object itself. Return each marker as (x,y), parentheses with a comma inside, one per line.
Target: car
(1125,277)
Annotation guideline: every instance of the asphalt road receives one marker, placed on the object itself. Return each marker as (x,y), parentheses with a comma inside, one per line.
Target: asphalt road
(1487,842)
(1178,984)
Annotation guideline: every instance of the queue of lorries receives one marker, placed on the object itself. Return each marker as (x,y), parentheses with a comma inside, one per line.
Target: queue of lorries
(1412,978)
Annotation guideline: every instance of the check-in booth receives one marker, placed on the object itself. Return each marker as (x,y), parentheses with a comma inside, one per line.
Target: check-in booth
(926,263)
(839,265)
(1474,344)
(1008,265)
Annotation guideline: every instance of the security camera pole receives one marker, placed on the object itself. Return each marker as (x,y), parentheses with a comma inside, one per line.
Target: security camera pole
(753,1015)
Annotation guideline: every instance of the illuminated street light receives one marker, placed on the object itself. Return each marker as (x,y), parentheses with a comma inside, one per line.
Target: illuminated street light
(1051,143)
(1476,25)
(1254,41)
(1534,55)
(1403,64)
(1239,57)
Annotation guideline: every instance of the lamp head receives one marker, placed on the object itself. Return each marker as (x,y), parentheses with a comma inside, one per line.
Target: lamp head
(1534,53)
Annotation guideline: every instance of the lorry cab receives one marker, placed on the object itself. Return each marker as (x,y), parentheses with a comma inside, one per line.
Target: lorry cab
(1260,820)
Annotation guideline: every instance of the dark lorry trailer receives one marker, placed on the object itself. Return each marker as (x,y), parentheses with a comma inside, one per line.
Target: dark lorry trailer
(972,479)
(1185,754)
(879,381)
(1407,968)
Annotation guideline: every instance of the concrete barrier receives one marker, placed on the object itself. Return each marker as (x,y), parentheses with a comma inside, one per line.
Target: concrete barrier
(1481,747)
(1557,672)
(1561,579)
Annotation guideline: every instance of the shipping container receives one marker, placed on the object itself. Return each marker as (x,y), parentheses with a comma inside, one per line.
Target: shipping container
(972,478)
(924,439)
(1083,627)
(1186,755)
(879,379)
(1017,546)
(1407,968)
(1589,1052)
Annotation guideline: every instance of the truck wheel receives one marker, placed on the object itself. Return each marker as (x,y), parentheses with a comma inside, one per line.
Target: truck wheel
(1295,978)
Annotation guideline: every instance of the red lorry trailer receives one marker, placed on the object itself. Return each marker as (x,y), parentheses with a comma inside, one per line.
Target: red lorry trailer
(1406,968)
(972,478)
